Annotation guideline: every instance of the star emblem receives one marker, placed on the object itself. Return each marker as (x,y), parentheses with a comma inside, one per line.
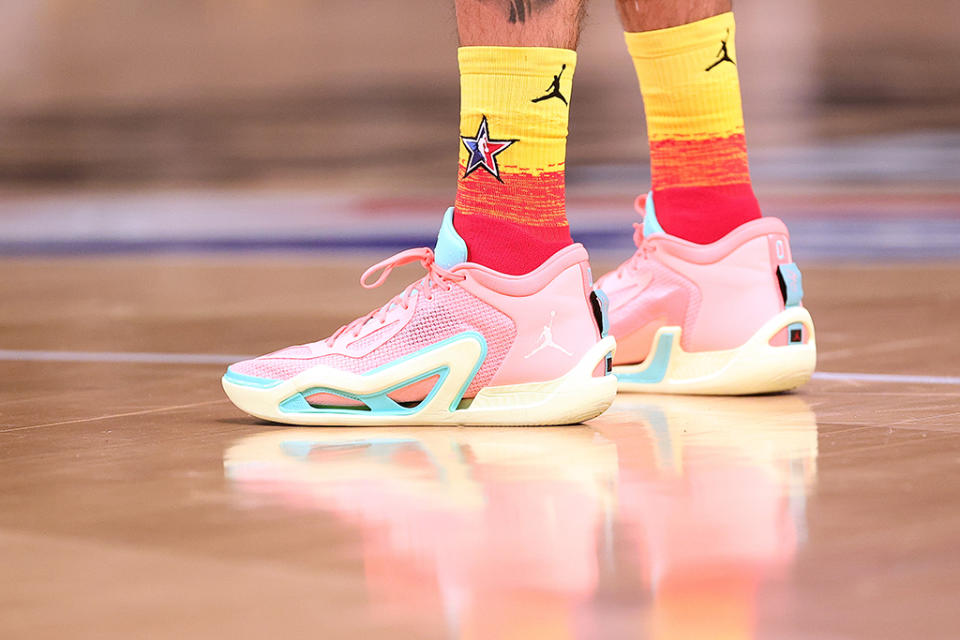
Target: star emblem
(483,151)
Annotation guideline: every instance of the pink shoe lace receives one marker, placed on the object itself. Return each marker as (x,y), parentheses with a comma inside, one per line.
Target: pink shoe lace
(437,277)
(643,250)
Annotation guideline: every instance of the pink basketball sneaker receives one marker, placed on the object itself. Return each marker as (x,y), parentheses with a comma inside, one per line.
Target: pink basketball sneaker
(723,318)
(464,345)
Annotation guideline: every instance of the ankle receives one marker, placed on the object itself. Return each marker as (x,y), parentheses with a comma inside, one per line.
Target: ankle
(508,247)
(705,214)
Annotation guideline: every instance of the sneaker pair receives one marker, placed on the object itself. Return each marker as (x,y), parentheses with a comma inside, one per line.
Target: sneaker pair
(466,345)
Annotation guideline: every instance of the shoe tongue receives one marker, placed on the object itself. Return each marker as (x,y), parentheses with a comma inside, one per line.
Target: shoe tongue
(451,250)
(650,223)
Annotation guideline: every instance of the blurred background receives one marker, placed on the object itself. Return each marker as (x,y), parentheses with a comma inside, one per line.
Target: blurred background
(135,123)
(182,180)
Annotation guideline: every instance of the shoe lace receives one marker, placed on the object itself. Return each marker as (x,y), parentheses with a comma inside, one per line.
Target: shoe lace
(437,278)
(644,250)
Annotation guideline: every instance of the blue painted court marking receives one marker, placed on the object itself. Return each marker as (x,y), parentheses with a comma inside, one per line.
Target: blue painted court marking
(912,237)
(26,355)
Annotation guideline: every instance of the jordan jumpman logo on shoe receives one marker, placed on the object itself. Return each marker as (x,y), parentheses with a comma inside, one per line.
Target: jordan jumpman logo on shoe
(546,339)
(448,350)
(723,53)
(553,91)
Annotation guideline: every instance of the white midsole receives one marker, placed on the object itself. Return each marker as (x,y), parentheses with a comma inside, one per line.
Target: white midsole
(576,396)
(753,367)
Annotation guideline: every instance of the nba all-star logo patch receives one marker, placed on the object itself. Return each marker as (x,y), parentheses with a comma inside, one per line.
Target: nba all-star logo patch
(483,151)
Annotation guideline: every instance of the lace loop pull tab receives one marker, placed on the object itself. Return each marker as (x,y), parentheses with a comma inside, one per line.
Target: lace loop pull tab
(640,204)
(423,255)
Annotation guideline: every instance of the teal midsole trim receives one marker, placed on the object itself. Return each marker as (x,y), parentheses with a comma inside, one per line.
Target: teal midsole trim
(657,370)
(476,367)
(250,381)
(380,403)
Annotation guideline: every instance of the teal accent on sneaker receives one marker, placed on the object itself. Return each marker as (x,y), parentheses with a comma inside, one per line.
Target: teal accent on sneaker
(604,312)
(380,403)
(249,381)
(793,282)
(650,223)
(657,370)
(451,250)
(604,305)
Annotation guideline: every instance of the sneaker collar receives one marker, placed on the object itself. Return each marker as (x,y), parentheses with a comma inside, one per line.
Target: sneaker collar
(451,250)
(650,223)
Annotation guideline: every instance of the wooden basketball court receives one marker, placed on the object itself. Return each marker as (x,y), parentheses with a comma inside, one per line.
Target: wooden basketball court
(186,184)
(135,500)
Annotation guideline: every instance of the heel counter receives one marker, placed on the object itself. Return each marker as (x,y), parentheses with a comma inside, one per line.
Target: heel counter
(600,305)
(597,302)
(739,291)
(786,273)
(556,326)
(789,281)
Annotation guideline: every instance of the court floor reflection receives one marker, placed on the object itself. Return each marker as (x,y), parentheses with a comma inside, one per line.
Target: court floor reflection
(664,517)
(712,501)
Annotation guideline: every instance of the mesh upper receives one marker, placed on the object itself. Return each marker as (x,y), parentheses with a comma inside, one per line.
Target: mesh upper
(447,314)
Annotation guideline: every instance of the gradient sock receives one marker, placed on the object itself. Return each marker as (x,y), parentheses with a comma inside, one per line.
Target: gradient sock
(698,153)
(511,202)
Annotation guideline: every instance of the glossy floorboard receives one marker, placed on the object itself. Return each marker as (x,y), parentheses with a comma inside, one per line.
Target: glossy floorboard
(136,502)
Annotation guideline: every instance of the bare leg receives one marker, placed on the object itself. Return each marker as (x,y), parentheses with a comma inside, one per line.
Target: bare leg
(647,15)
(520,23)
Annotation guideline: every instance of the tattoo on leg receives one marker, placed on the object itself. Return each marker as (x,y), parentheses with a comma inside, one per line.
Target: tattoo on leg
(520,10)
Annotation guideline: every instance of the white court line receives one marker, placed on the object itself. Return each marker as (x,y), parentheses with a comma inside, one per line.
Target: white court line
(120,356)
(110,416)
(216,358)
(886,377)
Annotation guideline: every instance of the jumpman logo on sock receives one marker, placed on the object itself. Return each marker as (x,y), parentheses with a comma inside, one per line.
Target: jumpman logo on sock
(553,91)
(546,339)
(723,53)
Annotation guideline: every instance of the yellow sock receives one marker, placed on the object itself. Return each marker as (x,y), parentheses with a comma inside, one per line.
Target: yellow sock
(514,108)
(698,153)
